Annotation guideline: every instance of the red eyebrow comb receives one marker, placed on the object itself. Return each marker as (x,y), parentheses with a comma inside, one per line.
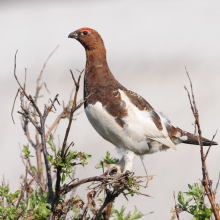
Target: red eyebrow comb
(85,29)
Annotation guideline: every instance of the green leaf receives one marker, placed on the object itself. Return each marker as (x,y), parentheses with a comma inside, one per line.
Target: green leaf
(63,178)
(50,158)
(120,215)
(107,156)
(50,142)
(181,198)
(26,151)
(107,160)
(99,165)
(189,186)
(188,201)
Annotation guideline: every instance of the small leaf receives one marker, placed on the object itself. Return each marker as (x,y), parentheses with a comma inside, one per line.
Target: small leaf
(107,155)
(99,165)
(181,198)
(63,178)
(189,186)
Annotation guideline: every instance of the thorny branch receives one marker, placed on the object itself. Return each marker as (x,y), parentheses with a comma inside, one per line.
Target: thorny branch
(207,183)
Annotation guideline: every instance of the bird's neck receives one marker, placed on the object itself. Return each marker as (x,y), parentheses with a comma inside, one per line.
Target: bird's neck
(96,57)
(98,76)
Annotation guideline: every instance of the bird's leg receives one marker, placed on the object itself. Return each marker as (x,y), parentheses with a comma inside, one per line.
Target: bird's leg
(128,160)
(142,160)
(147,176)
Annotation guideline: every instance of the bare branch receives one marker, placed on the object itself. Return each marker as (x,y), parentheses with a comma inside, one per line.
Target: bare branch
(45,63)
(193,98)
(14,106)
(193,110)
(205,179)
(60,116)
(40,129)
(17,78)
(210,145)
(215,191)
(22,192)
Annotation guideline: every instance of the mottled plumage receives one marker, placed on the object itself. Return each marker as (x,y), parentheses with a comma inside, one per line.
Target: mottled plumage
(119,115)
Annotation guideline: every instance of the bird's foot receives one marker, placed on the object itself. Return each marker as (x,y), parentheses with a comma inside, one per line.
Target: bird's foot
(124,166)
(114,170)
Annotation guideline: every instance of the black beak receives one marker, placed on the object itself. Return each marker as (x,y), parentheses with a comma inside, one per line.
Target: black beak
(73,35)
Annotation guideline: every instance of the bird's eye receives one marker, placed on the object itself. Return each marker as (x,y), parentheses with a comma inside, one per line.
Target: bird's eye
(84,32)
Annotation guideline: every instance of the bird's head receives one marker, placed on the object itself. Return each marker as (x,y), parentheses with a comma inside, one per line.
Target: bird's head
(88,37)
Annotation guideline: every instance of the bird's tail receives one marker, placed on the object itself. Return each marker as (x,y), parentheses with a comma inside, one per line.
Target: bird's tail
(193,139)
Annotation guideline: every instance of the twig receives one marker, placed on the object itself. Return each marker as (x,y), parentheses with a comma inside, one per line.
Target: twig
(193,98)
(17,78)
(149,213)
(26,115)
(67,188)
(84,213)
(22,192)
(205,180)
(176,207)
(215,191)
(210,145)
(110,196)
(31,172)
(14,106)
(138,193)
(109,209)
(45,63)
(62,115)
(39,146)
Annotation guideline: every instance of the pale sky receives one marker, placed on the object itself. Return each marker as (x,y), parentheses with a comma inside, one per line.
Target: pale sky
(148,44)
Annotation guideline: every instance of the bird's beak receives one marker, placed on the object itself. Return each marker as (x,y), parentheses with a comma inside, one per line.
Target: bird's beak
(73,35)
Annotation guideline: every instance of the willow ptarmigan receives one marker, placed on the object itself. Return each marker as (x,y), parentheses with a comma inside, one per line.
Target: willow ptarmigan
(119,115)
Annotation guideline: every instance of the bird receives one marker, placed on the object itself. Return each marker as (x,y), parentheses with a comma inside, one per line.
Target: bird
(120,115)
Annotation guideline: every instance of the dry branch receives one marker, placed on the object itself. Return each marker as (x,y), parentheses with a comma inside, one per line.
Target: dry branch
(63,150)
(41,128)
(207,183)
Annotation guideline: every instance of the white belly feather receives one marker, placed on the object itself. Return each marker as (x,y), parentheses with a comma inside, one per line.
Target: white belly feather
(136,132)
(110,130)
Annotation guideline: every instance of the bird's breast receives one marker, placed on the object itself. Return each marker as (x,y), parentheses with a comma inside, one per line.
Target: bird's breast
(104,123)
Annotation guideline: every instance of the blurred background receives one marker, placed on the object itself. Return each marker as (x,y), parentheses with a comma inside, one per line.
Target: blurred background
(148,44)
